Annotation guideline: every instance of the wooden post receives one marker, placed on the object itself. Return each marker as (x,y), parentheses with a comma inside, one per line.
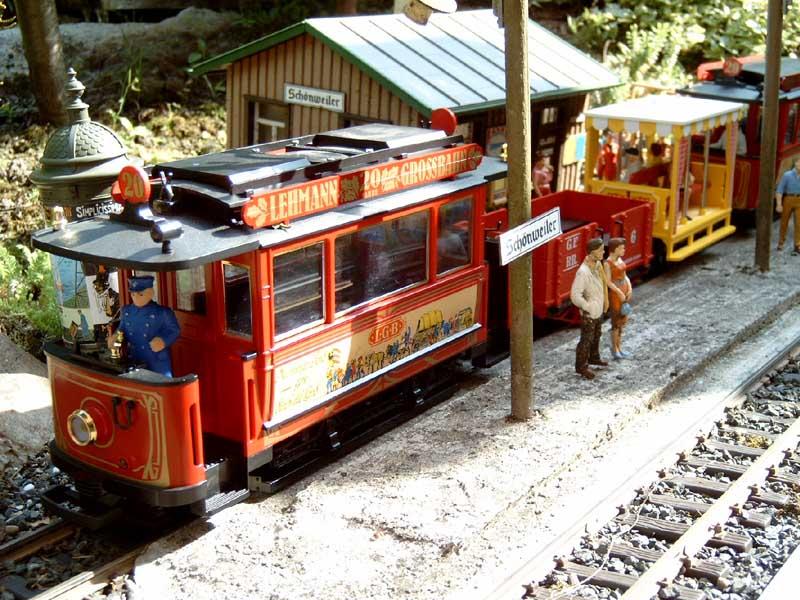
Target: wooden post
(518,136)
(769,133)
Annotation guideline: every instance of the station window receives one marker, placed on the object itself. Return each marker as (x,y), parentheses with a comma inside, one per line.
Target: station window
(191,288)
(238,308)
(269,121)
(297,276)
(453,243)
(381,259)
(549,115)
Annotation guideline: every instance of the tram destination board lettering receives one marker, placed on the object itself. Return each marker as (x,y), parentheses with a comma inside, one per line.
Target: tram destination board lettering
(313,97)
(528,236)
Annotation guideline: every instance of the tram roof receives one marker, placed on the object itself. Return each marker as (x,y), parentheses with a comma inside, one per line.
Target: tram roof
(665,115)
(105,241)
(456,61)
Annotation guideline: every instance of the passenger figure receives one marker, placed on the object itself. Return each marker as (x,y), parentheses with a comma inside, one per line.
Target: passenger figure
(607,161)
(633,163)
(542,176)
(787,201)
(149,328)
(589,294)
(619,294)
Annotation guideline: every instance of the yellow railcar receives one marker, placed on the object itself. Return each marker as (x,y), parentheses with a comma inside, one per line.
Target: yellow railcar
(691,196)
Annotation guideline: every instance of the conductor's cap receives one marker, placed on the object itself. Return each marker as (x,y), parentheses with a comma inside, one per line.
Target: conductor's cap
(140,283)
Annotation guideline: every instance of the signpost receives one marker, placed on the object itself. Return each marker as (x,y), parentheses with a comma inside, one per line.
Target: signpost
(528,236)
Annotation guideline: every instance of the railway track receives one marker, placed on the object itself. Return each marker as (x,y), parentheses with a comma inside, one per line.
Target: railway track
(66,562)
(708,526)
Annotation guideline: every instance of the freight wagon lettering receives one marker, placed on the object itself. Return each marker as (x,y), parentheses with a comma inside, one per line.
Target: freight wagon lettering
(572,261)
(386,331)
(572,242)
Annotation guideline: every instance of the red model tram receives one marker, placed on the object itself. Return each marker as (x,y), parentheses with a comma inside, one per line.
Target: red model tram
(742,80)
(308,277)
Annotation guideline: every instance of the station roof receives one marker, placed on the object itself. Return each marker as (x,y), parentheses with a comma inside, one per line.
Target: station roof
(456,61)
(665,115)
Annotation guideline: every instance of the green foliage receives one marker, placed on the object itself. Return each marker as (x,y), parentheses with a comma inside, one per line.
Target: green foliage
(679,33)
(129,81)
(27,295)
(284,14)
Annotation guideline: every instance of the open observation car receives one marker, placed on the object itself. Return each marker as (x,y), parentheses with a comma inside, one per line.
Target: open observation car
(742,80)
(307,277)
(690,193)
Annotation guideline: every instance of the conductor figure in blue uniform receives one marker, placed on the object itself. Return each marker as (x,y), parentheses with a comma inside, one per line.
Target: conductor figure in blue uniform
(149,328)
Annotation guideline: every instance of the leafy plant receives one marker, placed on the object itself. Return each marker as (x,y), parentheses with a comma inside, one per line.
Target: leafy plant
(130,81)
(27,295)
(679,33)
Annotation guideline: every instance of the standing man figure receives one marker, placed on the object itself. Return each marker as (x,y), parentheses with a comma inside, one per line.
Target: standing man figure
(787,201)
(589,294)
(149,328)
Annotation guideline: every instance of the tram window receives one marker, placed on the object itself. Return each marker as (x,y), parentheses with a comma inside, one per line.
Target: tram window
(791,121)
(453,244)
(154,275)
(238,309)
(191,286)
(381,259)
(297,277)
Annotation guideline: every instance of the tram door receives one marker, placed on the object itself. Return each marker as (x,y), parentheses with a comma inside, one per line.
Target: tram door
(191,298)
(238,337)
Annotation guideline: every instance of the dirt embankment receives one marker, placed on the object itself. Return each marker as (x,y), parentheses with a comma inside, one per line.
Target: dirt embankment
(136,83)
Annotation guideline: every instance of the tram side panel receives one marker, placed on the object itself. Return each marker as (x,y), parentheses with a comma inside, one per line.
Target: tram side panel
(409,293)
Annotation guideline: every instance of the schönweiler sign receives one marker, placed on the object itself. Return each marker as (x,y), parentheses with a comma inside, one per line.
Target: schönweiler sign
(313,97)
(524,238)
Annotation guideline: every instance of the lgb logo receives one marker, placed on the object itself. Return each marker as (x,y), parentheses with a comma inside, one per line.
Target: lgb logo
(386,331)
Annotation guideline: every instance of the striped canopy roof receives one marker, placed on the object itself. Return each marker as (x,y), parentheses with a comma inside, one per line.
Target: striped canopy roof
(456,61)
(665,115)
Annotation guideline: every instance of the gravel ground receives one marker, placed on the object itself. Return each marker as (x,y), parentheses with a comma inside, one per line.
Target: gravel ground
(446,503)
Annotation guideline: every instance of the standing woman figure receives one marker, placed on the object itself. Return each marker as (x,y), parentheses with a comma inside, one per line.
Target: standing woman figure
(619,293)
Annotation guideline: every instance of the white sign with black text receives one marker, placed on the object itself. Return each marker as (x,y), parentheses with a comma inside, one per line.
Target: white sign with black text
(524,238)
(306,96)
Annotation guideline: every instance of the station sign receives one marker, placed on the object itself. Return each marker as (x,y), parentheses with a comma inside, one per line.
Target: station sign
(313,97)
(526,237)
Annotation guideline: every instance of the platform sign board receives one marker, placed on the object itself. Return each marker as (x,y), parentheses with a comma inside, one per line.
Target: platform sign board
(524,238)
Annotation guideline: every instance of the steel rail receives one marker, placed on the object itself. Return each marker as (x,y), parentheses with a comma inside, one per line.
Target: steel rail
(30,543)
(666,568)
(605,510)
(86,583)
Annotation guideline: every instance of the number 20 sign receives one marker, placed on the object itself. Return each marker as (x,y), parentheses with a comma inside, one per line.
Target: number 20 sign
(134,184)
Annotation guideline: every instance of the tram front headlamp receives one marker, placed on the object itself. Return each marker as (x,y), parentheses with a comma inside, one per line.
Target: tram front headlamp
(81,427)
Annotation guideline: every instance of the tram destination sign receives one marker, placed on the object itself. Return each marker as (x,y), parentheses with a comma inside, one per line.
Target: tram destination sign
(524,238)
(294,201)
